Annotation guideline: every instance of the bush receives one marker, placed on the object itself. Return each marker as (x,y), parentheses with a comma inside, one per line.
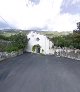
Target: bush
(2,37)
(33,48)
(16,42)
(19,40)
(11,48)
(71,41)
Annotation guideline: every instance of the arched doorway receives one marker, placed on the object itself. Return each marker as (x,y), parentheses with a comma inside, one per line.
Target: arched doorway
(36,48)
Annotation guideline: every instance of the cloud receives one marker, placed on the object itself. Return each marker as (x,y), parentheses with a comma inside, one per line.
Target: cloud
(71,6)
(65,22)
(45,14)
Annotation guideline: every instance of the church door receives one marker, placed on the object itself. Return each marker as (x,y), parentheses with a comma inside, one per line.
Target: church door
(38,49)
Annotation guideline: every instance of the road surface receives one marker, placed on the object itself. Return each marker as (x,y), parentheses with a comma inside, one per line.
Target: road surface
(39,73)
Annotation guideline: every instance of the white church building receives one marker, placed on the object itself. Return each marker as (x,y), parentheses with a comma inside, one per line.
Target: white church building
(38,43)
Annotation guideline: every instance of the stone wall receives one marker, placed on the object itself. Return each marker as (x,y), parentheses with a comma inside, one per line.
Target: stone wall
(5,55)
(66,52)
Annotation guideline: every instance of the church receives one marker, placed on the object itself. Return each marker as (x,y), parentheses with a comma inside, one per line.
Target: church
(38,43)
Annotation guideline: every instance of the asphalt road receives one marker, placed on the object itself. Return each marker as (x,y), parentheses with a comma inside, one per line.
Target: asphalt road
(39,73)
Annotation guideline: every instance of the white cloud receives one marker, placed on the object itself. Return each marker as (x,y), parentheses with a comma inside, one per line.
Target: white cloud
(46,13)
(65,22)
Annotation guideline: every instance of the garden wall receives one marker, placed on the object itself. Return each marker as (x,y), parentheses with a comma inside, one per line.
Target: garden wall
(5,55)
(66,52)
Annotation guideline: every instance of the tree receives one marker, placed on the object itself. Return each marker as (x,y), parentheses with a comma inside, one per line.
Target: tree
(19,41)
(78,26)
(13,42)
(71,41)
(2,37)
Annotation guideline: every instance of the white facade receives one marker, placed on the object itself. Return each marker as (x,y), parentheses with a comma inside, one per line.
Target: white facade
(41,43)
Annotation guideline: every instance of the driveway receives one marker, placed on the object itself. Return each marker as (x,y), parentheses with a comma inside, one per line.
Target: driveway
(39,73)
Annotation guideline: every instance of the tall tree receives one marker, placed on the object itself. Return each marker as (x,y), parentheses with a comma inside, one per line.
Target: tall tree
(78,26)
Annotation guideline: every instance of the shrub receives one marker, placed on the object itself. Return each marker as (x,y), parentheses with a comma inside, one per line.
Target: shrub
(33,48)
(71,41)
(16,42)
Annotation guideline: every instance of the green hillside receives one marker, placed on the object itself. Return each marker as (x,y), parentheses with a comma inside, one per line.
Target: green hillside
(49,34)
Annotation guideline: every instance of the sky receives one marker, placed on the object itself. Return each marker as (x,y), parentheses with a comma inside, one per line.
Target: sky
(45,15)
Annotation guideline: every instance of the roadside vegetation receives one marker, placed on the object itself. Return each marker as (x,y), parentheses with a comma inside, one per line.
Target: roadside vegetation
(13,42)
(71,41)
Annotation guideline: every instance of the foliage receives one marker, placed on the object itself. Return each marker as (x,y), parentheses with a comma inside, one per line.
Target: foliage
(2,37)
(17,42)
(71,41)
(78,26)
(33,48)
(2,47)
(11,48)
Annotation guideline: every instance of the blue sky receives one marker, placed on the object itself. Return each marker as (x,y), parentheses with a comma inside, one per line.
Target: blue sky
(71,6)
(3,25)
(51,15)
(35,1)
